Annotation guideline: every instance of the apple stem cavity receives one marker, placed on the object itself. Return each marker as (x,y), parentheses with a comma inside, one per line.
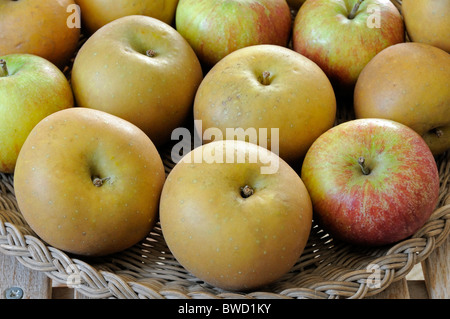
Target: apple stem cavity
(98,182)
(247,191)
(151,53)
(438,132)
(3,68)
(265,78)
(362,164)
(355,9)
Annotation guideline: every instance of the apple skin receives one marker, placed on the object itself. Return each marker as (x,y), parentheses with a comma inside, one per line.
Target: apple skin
(229,241)
(341,46)
(409,83)
(384,207)
(40,28)
(428,22)
(299,100)
(97,13)
(215,28)
(33,89)
(54,185)
(112,73)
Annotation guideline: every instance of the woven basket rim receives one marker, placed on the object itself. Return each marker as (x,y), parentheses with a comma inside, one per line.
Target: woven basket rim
(327,268)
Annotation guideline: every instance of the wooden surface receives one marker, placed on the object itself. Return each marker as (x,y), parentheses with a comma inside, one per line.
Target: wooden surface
(430,280)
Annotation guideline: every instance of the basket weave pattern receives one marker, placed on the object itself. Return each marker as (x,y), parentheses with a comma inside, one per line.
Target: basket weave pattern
(326,269)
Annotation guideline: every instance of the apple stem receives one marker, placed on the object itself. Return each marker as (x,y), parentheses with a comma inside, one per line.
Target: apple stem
(355,9)
(266,78)
(438,132)
(98,182)
(151,53)
(3,68)
(247,191)
(362,164)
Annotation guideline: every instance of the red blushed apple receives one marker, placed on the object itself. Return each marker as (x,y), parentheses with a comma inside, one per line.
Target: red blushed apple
(371,181)
(215,28)
(342,36)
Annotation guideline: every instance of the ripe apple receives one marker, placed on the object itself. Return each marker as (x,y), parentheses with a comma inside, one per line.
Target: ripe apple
(342,36)
(215,28)
(409,83)
(140,69)
(267,87)
(31,88)
(88,182)
(97,13)
(38,27)
(372,181)
(228,223)
(428,22)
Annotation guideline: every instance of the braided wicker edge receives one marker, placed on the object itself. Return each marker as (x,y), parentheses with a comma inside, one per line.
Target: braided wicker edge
(337,271)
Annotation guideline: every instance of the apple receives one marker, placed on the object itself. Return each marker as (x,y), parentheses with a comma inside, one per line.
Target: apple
(372,182)
(97,13)
(342,36)
(428,22)
(230,223)
(40,28)
(31,88)
(88,182)
(267,87)
(215,28)
(409,83)
(140,69)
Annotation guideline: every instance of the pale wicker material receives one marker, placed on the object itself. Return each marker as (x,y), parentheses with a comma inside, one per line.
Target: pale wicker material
(326,269)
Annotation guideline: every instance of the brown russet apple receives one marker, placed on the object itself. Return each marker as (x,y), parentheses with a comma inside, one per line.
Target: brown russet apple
(88,182)
(267,87)
(38,27)
(97,13)
(140,69)
(409,83)
(428,22)
(229,223)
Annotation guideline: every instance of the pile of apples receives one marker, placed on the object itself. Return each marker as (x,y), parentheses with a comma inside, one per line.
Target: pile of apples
(236,212)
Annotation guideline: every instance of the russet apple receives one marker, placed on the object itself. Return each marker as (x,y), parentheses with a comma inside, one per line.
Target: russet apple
(371,181)
(38,27)
(140,69)
(31,88)
(88,182)
(215,28)
(97,13)
(409,83)
(342,36)
(428,22)
(266,87)
(228,223)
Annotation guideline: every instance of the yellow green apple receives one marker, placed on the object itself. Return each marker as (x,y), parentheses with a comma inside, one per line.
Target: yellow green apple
(31,88)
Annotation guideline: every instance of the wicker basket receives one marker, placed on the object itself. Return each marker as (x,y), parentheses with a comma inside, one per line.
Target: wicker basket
(327,268)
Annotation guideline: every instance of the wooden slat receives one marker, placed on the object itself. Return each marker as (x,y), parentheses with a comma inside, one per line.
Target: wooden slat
(396,290)
(34,284)
(436,269)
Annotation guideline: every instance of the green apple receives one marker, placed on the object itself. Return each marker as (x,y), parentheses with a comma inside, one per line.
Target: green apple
(31,88)
(140,69)
(215,28)
(228,222)
(88,182)
(342,36)
(372,181)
